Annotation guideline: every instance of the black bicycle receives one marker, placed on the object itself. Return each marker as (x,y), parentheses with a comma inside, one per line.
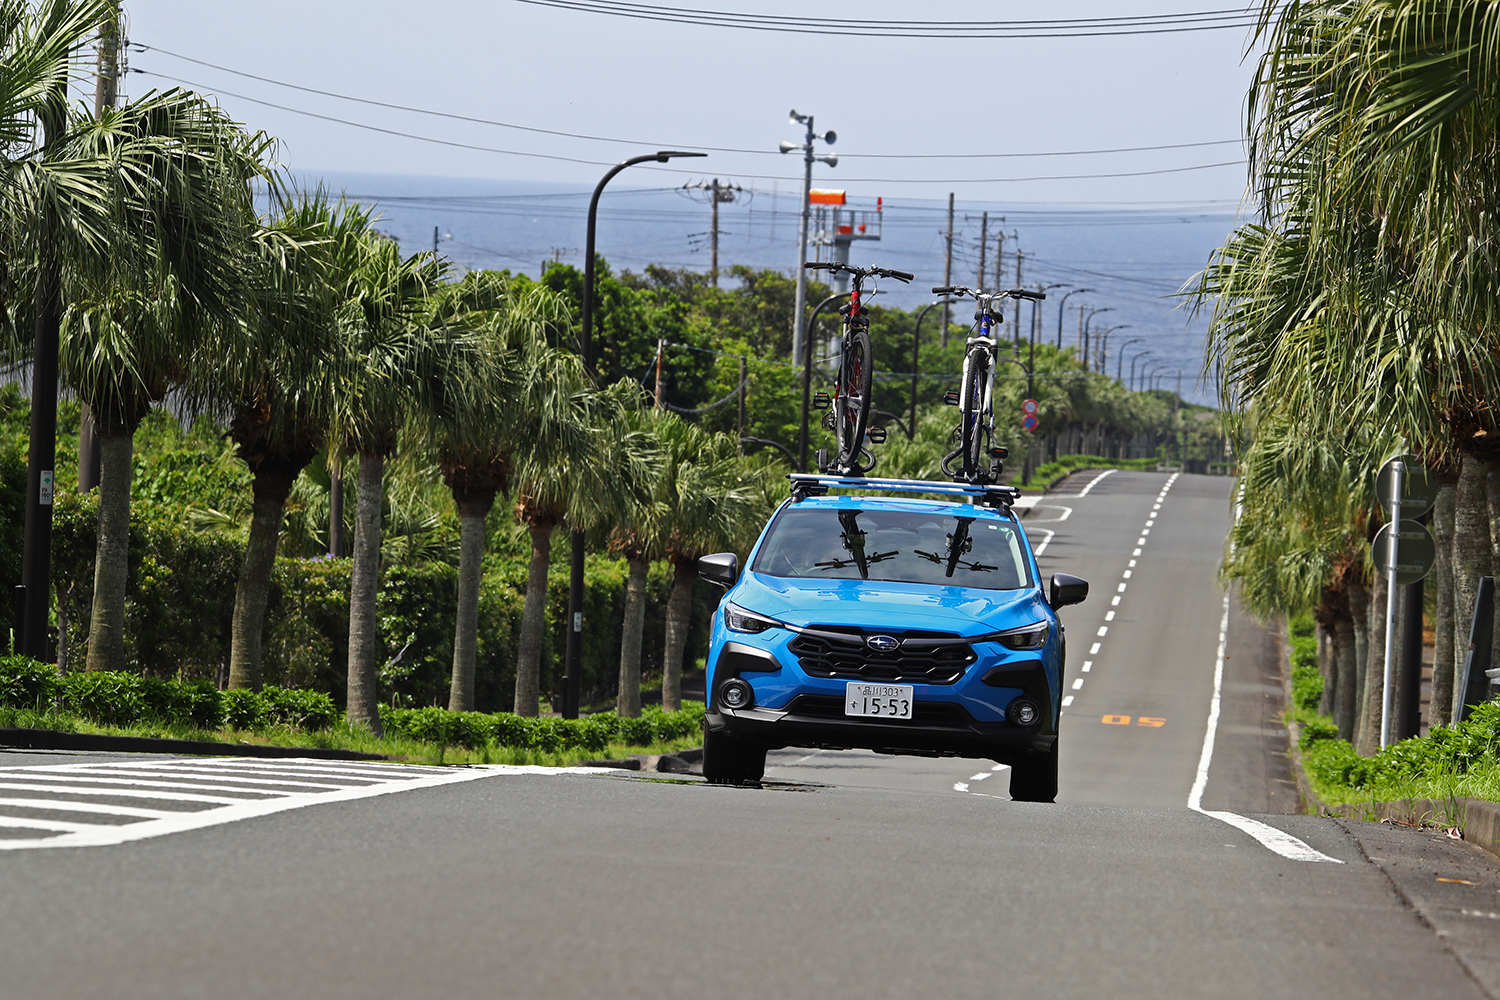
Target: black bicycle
(975,396)
(851,391)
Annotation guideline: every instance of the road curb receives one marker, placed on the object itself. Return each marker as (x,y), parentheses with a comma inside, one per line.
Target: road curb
(47,739)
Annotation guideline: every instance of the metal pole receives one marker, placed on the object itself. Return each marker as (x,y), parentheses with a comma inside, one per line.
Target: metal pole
(744,384)
(1393,596)
(801,299)
(984,238)
(948,268)
(916,341)
(573,675)
(1062,307)
(1120,365)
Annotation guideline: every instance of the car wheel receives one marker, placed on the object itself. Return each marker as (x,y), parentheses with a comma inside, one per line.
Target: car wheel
(1034,778)
(728,761)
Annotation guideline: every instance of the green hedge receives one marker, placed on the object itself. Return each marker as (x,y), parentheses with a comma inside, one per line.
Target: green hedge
(123,699)
(474,730)
(1068,464)
(1445,751)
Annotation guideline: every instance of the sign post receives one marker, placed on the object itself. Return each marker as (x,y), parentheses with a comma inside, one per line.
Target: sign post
(1403,485)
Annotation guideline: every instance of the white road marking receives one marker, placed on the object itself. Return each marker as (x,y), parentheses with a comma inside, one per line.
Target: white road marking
(1095,481)
(1094,649)
(1121,587)
(1067,512)
(1000,767)
(959,786)
(1131,564)
(64,783)
(1067,701)
(1037,550)
(1109,616)
(1078,684)
(1103,631)
(1088,665)
(1114,602)
(1276,840)
(1135,553)
(981,776)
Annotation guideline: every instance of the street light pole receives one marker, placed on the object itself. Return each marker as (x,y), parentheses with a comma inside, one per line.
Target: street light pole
(916,343)
(1062,308)
(1103,353)
(808,156)
(1134,358)
(573,676)
(1120,365)
(1086,322)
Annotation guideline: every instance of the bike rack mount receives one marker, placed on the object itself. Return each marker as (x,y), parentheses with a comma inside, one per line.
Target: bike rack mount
(807,484)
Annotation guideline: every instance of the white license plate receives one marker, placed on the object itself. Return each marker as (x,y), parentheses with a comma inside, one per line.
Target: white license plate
(883,701)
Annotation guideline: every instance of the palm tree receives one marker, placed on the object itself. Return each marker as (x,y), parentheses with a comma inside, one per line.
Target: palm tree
(569,475)
(144,306)
(477,449)
(638,536)
(711,501)
(282,385)
(394,360)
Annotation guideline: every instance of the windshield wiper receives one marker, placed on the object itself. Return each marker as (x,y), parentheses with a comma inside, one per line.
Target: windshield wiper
(869,561)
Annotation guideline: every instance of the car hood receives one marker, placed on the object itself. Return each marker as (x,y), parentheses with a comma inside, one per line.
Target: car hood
(894,606)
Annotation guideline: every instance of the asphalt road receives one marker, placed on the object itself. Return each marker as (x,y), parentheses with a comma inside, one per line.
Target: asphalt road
(847,875)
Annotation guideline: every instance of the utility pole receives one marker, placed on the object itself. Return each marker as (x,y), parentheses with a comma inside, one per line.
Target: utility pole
(808,156)
(744,384)
(713,265)
(984,239)
(948,267)
(1019,257)
(660,346)
(106,91)
(434,242)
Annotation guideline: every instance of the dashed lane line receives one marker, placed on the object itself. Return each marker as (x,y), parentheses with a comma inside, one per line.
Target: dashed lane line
(243,789)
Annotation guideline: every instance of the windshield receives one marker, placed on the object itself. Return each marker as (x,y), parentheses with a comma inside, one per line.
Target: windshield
(895,546)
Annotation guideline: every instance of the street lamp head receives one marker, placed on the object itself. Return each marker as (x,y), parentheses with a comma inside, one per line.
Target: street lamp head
(787,146)
(664,155)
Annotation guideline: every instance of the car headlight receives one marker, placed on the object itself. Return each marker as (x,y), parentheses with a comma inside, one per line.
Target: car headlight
(737,619)
(1030,637)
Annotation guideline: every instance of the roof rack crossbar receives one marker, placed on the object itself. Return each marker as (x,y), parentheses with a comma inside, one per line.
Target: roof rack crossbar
(805,484)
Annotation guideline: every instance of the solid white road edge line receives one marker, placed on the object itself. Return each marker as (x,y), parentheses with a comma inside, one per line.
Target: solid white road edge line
(106,836)
(1039,549)
(1095,481)
(1273,839)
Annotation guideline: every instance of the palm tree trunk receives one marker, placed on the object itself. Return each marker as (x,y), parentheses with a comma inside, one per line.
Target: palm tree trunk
(364,581)
(533,622)
(1472,554)
(112,557)
(1359,609)
(1373,689)
(466,633)
(1328,666)
(1445,622)
(628,701)
(679,611)
(273,483)
(1343,705)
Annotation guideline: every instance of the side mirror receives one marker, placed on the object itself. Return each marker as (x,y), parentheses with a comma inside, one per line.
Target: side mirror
(723,568)
(1067,590)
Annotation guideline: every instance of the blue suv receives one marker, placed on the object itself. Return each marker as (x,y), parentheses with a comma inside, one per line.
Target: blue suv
(894,624)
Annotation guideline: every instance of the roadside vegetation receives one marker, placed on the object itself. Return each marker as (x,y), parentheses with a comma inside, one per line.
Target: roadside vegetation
(1356,319)
(324,465)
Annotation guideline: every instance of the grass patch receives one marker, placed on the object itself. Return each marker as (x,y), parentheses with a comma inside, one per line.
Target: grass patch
(1450,762)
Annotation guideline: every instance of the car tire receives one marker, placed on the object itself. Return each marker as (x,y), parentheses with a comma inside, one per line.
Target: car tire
(1034,778)
(729,761)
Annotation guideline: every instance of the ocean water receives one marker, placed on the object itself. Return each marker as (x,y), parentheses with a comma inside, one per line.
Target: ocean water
(1136,259)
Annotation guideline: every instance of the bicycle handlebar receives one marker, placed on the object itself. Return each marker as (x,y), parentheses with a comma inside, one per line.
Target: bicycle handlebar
(864,272)
(1013,293)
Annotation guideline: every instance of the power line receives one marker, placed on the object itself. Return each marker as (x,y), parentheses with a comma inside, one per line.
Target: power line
(675,145)
(1146,24)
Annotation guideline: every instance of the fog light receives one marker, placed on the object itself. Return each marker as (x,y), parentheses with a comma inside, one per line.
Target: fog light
(735,693)
(1023,712)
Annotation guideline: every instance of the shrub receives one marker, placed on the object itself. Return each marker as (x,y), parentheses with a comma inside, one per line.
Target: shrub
(298,708)
(105,697)
(25,683)
(245,709)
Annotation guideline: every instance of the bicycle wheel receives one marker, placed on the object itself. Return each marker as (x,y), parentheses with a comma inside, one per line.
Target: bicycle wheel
(971,410)
(854,397)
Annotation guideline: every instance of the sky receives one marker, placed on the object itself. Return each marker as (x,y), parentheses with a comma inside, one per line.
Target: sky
(1045,133)
(652,85)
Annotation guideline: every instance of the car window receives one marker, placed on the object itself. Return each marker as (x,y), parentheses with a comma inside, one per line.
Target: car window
(894,546)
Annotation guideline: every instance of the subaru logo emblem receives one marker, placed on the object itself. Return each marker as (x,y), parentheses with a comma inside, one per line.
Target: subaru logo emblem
(882,643)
